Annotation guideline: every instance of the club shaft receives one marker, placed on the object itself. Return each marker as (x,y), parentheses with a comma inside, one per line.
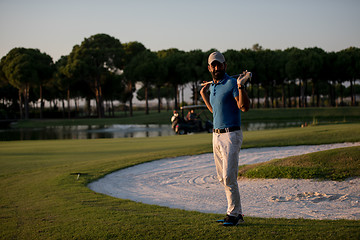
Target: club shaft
(233,76)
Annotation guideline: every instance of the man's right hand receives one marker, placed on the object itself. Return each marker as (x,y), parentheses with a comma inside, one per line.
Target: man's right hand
(205,87)
(205,95)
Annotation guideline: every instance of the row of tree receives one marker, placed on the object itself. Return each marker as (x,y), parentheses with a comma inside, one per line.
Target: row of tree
(104,69)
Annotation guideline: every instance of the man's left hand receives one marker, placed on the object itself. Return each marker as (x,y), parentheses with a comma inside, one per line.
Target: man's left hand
(243,78)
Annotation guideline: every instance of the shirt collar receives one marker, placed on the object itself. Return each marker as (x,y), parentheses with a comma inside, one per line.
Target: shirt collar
(226,77)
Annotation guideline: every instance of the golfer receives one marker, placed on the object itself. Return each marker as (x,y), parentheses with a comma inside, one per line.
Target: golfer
(227,97)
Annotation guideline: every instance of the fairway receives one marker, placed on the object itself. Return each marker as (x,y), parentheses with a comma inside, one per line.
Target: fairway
(41,197)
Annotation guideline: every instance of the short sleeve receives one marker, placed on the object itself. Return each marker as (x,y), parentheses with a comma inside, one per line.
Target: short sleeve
(235,89)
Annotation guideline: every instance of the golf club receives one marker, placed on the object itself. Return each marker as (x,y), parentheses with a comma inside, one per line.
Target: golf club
(233,76)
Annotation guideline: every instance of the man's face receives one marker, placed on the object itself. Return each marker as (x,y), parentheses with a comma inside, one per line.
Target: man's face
(217,70)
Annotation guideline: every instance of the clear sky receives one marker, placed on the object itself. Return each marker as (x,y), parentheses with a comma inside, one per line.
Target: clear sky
(55,26)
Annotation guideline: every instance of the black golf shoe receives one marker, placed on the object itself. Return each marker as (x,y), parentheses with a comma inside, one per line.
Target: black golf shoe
(231,220)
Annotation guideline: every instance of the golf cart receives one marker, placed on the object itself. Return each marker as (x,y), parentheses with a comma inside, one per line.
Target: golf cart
(197,120)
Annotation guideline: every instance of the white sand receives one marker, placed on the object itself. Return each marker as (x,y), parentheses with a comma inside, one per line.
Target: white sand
(190,183)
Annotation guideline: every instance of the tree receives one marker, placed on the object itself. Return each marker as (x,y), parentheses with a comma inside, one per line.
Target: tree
(266,73)
(314,63)
(114,89)
(239,61)
(92,60)
(197,62)
(63,82)
(295,70)
(279,79)
(331,74)
(348,61)
(258,78)
(45,69)
(9,96)
(160,81)
(144,67)
(177,69)
(25,68)
(131,49)
(165,92)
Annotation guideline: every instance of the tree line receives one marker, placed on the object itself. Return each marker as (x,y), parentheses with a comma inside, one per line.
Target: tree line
(104,69)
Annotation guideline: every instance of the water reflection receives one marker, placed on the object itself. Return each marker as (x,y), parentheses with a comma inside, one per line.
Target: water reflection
(132,131)
(114,131)
(87,132)
(268,125)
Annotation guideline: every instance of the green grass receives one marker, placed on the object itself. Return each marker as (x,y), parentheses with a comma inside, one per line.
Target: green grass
(42,199)
(309,115)
(336,164)
(323,114)
(312,135)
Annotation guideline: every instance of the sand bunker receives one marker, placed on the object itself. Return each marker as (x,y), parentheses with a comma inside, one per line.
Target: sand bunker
(190,183)
(314,197)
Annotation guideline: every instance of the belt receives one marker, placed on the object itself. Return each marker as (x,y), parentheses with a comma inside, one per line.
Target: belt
(225,130)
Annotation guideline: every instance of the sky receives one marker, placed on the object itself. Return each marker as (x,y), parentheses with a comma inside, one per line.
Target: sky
(55,26)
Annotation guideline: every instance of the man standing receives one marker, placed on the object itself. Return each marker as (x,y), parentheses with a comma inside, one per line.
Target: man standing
(227,97)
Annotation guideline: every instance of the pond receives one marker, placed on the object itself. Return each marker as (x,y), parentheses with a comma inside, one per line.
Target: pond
(113,131)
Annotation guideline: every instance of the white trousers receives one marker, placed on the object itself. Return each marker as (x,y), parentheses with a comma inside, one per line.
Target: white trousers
(226,148)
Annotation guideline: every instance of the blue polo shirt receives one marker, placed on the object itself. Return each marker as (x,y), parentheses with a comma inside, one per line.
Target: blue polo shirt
(222,99)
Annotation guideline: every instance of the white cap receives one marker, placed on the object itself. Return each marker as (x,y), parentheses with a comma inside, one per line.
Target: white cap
(216,56)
